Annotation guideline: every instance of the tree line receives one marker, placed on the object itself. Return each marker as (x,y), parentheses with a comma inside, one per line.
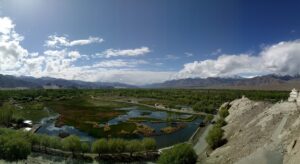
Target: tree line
(17,145)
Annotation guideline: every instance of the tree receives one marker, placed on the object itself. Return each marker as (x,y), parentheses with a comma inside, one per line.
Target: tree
(179,154)
(214,137)
(100,147)
(6,114)
(85,147)
(133,146)
(55,142)
(45,141)
(149,144)
(72,143)
(116,145)
(15,149)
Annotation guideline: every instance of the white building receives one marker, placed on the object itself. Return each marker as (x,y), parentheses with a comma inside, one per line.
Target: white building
(294,96)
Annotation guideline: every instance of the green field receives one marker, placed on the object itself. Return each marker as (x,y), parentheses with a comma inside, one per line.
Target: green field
(87,109)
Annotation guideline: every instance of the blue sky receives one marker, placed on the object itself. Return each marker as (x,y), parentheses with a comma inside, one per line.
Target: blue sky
(150,40)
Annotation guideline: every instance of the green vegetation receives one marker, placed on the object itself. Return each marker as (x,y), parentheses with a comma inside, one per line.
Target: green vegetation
(179,154)
(208,118)
(17,145)
(72,144)
(13,149)
(214,137)
(100,147)
(134,146)
(6,114)
(223,112)
(87,109)
(149,144)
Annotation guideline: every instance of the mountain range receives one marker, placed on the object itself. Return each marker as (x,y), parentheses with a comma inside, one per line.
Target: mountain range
(267,82)
(24,82)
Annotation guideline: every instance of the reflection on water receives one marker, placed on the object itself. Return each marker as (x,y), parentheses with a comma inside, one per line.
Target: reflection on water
(163,140)
(48,127)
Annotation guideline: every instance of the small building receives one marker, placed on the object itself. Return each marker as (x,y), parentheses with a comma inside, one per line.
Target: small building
(27,123)
(293,95)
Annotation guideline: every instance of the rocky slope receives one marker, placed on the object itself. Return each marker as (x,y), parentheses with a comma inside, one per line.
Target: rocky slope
(260,132)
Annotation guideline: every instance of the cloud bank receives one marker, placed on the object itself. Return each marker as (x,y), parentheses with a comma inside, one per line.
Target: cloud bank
(281,58)
(60,62)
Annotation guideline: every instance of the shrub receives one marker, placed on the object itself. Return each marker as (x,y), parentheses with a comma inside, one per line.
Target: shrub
(116,145)
(72,143)
(223,112)
(214,137)
(14,149)
(6,114)
(100,147)
(149,144)
(85,147)
(133,146)
(221,122)
(208,118)
(179,154)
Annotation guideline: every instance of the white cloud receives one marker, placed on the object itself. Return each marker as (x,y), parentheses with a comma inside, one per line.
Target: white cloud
(74,55)
(171,57)
(188,54)
(282,58)
(11,52)
(127,52)
(55,41)
(6,25)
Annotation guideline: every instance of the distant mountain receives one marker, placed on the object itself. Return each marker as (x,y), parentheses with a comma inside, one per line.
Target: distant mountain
(8,81)
(267,82)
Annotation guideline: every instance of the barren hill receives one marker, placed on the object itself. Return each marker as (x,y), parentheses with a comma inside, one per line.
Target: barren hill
(260,132)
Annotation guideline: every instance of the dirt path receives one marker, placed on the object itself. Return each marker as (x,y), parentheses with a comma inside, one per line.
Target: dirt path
(201,145)
(268,154)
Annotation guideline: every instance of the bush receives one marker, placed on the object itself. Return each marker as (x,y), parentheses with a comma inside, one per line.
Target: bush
(223,112)
(179,154)
(72,143)
(221,122)
(6,114)
(214,137)
(116,145)
(100,146)
(208,118)
(14,148)
(133,146)
(149,144)
(85,147)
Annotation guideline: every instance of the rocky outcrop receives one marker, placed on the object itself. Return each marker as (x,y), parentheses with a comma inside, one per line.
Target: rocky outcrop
(260,132)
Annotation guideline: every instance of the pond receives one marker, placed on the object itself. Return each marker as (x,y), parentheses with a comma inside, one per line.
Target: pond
(163,140)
